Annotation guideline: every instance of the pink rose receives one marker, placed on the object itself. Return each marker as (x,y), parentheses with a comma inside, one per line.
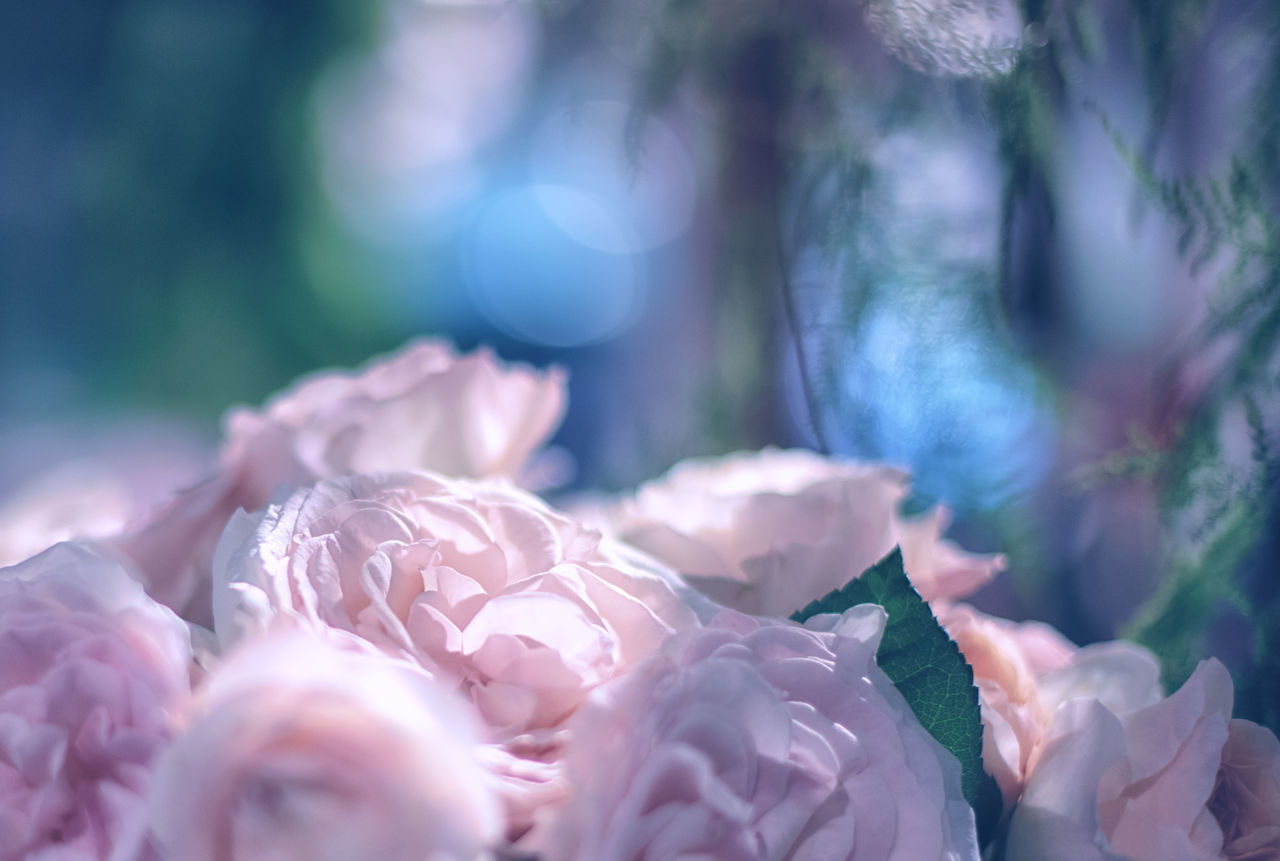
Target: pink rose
(481,583)
(1126,773)
(422,408)
(89,669)
(752,739)
(310,749)
(766,532)
(1007,659)
(1246,799)
(521,608)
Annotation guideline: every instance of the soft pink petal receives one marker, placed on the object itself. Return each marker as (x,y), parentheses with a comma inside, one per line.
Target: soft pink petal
(767,532)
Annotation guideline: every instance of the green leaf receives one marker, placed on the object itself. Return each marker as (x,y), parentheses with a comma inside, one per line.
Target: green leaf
(928,669)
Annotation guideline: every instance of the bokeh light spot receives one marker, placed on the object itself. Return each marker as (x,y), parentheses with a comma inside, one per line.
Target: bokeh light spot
(585,146)
(540,283)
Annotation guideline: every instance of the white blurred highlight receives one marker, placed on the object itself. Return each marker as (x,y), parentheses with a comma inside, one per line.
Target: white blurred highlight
(400,129)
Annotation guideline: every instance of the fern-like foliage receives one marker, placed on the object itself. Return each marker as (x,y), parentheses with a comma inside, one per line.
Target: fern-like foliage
(1218,503)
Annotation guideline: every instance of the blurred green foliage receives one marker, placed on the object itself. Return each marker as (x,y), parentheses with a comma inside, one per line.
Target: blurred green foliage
(196,215)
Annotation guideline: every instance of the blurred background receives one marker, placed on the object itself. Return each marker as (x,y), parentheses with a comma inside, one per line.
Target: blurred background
(1024,248)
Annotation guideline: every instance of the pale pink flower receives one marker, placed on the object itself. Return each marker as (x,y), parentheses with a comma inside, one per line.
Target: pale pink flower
(753,739)
(939,569)
(90,668)
(1008,659)
(1126,773)
(1246,799)
(521,608)
(480,582)
(424,407)
(305,748)
(766,532)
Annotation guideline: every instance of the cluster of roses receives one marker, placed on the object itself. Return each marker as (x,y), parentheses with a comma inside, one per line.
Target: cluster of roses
(360,639)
